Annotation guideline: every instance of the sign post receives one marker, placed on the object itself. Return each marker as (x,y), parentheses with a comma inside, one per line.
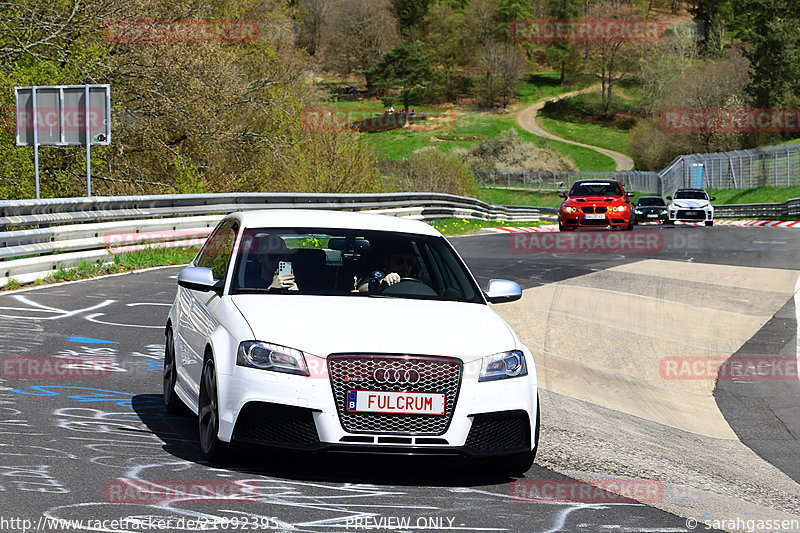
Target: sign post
(63,115)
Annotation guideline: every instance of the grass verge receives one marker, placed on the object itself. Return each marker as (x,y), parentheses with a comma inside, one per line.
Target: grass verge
(461,226)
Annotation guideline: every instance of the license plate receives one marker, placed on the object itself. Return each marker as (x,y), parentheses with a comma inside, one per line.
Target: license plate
(690,213)
(416,403)
(652,216)
(594,217)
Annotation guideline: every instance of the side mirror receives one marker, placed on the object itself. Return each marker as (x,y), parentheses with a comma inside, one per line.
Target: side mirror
(562,195)
(631,194)
(502,290)
(712,198)
(669,198)
(199,279)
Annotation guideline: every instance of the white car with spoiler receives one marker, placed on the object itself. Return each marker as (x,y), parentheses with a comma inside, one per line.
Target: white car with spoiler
(331,331)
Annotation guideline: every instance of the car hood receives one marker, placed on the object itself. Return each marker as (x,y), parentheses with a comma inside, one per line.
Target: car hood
(588,200)
(322,325)
(691,204)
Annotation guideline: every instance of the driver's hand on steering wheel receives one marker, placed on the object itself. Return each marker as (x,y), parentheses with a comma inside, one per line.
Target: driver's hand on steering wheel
(391,278)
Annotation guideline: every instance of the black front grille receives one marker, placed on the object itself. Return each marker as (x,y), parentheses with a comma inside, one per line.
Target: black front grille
(506,430)
(594,209)
(358,372)
(272,424)
(699,214)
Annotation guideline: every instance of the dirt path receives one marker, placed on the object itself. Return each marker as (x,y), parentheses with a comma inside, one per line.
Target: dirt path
(527,119)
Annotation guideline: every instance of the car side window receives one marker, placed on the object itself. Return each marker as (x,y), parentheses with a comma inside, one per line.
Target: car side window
(216,252)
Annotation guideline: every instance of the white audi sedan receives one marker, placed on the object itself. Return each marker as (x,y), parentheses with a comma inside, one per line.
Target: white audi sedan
(333,331)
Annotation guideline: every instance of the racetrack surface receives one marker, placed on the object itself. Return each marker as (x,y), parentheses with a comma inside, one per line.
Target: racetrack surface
(71,445)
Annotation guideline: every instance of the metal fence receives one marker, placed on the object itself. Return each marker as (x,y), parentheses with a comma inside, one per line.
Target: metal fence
(645,182)
(772,166)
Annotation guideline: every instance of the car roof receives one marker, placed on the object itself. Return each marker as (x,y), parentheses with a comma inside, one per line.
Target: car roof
(601,180)
(690,189)
(320,218)
(650,197)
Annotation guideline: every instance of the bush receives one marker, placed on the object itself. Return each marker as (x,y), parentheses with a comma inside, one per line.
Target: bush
(508,152)
(431,170)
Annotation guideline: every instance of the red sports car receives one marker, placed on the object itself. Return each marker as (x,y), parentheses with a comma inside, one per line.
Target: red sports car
(596,204)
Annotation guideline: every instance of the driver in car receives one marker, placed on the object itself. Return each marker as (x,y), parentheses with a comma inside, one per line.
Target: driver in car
(397,264)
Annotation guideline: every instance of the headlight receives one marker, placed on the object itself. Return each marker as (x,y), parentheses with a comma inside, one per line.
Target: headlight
(637,211)
(663,212)
(266,356)
(570,209)
(503,365)
(618,208)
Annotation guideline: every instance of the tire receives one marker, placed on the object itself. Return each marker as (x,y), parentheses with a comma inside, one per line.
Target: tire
(172,402)
(629,227)
(212,448)
(668,222)
(709,222)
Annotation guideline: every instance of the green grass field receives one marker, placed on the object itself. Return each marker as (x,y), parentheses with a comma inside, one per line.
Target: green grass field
(591,134)
(576,119)
(465,127)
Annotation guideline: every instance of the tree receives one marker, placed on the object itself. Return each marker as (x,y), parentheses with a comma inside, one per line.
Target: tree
(359,33)
(710,17)
(445,44)
(410,13)
(708,86)
(504,67)
(662,63)
(771,28)
(610,59)
(562,54)
(404,66)
(312,14)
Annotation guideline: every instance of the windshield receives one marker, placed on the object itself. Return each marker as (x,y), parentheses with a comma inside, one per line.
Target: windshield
(351,263)
(650,201)
(690,195)
(598,188)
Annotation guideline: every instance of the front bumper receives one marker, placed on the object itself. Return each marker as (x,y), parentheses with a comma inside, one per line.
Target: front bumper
(691,215)
(286,411)
(647,217)
(579,220)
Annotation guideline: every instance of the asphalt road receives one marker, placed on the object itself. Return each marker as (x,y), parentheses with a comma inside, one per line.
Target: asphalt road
(99,448)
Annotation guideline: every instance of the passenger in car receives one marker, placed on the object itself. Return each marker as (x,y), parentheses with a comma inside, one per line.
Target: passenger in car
(270,250)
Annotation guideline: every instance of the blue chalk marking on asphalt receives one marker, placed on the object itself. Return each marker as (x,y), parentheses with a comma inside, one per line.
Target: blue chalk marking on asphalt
(89,340)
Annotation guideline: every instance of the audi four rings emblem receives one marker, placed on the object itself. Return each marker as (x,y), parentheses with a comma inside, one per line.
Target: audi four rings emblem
(393,374)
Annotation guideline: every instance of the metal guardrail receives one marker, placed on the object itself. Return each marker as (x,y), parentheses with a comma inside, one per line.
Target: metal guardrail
(70,230)
(789,208)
